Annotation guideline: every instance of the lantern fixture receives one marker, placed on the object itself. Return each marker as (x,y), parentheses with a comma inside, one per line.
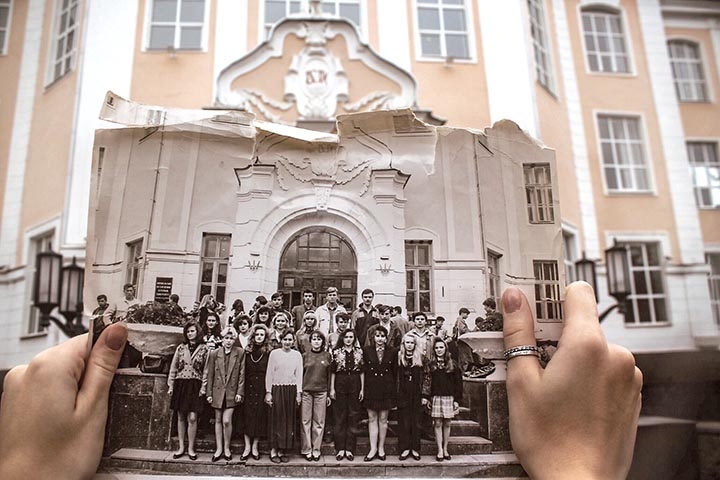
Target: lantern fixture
(59,286)
(618,276)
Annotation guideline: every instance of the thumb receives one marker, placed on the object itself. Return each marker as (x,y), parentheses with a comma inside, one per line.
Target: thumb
(519,329)
(101,367)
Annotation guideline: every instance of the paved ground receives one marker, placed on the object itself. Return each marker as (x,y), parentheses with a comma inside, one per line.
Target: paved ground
(129,476)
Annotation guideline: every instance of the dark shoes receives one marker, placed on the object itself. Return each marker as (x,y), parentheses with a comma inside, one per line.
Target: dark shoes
(369,458)
(339,456)
(178,455)
(309,457)
(447,457)
(215,458)
(228,457)
(381,457)
(349,456)
(192,456)
(416,456)
(244,457)
(256,456)
(403,456)
(439,458)
(275,459)
(284,459)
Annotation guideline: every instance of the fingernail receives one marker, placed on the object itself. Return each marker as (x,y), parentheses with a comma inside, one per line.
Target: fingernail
(116,337)
(512,300)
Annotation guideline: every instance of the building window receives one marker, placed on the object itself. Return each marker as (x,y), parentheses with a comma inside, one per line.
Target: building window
(541,45)
(646,302)
(705,172)
(64,38)
(39,244)
(605,44)
(713,259)
(276,10)
(177,24)
(443,28)
(687,71)
(547,291)
(538,193)
(623,154)
(214,265)
(134,257)
(570,251)
(494,278)
(418,269)
(4,25)
(349,9)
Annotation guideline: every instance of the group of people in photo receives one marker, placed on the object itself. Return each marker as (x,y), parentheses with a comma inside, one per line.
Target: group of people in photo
(295,378)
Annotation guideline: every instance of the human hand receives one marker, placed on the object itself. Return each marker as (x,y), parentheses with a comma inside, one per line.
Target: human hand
(238,398)
(56,406)
(170,390)
(209,399)
(578,417)
(332,394)
(268,399)
(425,402)
(298,399)
(328,401)
(360,397)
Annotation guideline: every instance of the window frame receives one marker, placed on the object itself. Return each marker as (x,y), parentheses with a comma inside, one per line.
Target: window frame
(204,36)
(544,303)
(416,275)
(700,60)
(495,278)
(7,27)
(533,208)
(714,289)
(50,78)
(627,36)
(217,261)
(642,129)
(716,143)
(570,234)
(264,29)
(469,30)
(134,266)
(542,26)
(632,297)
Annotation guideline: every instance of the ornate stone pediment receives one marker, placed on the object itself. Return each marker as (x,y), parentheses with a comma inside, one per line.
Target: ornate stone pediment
(312,68)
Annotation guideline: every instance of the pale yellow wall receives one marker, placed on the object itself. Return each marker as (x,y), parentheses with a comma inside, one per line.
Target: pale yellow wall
(183,81)
(253,23)
(46,166)
(10,68)
(696,116)
(630,94)
(555,131)
(466,106)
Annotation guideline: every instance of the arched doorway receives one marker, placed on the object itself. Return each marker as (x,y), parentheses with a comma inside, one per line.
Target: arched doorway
(318,258)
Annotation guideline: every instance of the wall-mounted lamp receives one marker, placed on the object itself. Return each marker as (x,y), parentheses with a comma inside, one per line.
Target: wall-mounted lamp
(58,286)
(618,276)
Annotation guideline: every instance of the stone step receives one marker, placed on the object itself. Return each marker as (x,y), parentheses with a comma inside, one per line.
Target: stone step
(161,462)
(459,445)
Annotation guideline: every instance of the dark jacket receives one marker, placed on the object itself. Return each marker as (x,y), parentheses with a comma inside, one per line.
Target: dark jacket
(380,377)
(437,382)
(409,385)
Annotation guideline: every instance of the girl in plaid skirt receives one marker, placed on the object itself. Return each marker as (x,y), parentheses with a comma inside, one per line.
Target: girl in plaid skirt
(442,391)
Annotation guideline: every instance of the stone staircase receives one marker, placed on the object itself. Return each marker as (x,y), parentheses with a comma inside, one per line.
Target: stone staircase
(472,457)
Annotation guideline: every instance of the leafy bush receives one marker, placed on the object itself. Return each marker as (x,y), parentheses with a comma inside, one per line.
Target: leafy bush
(157,314)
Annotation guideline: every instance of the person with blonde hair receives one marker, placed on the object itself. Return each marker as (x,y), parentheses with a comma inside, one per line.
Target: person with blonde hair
(409,397)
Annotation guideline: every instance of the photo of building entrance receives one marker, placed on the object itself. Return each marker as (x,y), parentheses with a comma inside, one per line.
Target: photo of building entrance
(318,258)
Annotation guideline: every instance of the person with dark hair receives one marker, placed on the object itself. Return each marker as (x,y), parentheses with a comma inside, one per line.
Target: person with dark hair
(347,384)
(255,410)
(238,308)
(442,391)
(97,319)
(119,310)
(421,332)
(242,324)
(461,327)
(283,391)
(260,301)
(224,384)
(315,400)
(342,323)
(299,311)
(212,333)
(262,316)
(365,316)
(175,307)
(207,305)
(393,333)
(410,373)
(380,388)
(400,321)
(276,306)
(184,384)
